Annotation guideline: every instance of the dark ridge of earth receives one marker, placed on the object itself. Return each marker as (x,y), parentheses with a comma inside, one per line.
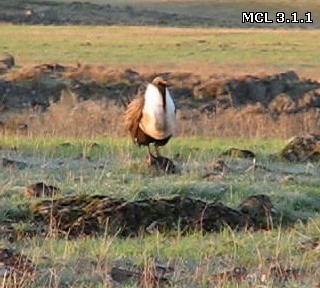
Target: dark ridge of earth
(86,13)
(39,85)
(48,13)
(89,215)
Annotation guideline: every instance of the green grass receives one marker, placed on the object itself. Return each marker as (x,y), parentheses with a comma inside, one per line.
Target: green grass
(170,47)
(85,261)
(115,167)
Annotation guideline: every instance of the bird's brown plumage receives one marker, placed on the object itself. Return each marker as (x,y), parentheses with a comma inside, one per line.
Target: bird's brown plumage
(135,119)
(133,115)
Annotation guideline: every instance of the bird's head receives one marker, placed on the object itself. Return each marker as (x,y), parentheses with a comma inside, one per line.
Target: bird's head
(159,81)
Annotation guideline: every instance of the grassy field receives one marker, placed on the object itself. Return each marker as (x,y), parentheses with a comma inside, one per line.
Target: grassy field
(114,167)
(196,258)
(209,49)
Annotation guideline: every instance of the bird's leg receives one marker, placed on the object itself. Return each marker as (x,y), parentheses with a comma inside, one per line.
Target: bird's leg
(156,147)
(150,154)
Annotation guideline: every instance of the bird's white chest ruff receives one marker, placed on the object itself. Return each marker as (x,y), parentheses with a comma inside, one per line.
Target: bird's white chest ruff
(157,121)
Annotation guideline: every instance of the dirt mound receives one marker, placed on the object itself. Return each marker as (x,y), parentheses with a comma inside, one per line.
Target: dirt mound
(260,210)
(92,214)
(37,89)
(160,164)
(40,84)
(302,148)
(277,93)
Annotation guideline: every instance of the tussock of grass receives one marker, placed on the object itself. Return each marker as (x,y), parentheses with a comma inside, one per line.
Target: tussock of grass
(13,212)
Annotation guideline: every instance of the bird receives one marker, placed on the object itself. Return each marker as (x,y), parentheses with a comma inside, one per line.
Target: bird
(151,117)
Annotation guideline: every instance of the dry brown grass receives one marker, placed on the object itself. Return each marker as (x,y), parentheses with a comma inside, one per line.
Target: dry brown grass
(70,117)
(247,123)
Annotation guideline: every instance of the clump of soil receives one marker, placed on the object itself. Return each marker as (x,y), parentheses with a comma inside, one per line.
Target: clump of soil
(161,164)
(239,153)
(6,62)
(217,165)
(150,275)
(78,215)
(302,148)
(260,210)
(40,189)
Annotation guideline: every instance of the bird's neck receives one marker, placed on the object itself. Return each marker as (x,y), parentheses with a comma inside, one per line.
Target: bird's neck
(162,90)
